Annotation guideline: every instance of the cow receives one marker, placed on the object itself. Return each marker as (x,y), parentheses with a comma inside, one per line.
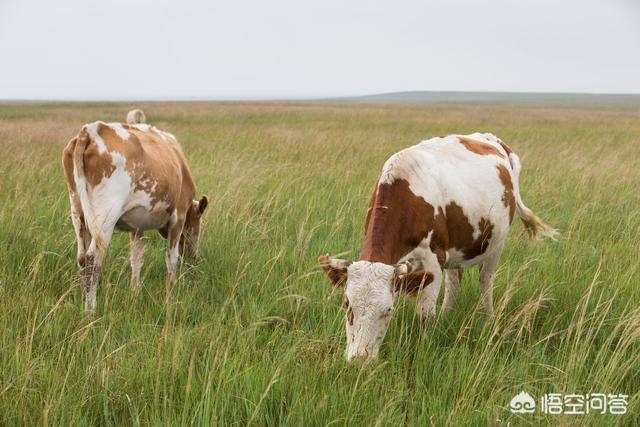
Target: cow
(135,117)
(130,178)
(444,204)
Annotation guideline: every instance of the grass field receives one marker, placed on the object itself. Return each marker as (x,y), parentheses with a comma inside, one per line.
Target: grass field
(254,334)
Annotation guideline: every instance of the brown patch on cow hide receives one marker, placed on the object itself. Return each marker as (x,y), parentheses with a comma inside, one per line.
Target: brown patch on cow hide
(478,147)
(505,147)
(413,282)
(338,277)
(397,221)
(156,167)
(372,201)
(138,160)
(439,243)
(508,197)
(460,232)
(173,185)
(98,166)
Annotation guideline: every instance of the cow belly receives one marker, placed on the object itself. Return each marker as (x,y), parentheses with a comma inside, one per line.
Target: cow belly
(456,258)
(140,218)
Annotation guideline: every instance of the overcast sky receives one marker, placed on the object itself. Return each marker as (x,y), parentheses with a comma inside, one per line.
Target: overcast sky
(159,49)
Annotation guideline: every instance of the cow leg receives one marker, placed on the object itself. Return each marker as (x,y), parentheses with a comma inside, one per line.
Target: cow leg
(429,297)
(172,254)
(487,273)
(100,238)
(91,271)
(85,262)
(137,257)
(86,239)
(452,287)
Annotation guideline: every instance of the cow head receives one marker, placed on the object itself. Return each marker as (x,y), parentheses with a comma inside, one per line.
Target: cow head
(191,230)
(368,300)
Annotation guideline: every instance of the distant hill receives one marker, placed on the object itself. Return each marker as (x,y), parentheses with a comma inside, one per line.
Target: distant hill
(444,96)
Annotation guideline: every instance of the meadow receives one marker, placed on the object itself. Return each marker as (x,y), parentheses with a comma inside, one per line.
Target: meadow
(254,335)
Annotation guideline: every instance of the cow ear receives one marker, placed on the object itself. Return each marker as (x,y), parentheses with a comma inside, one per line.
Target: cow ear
(413,282)
(202,204)
(335,269)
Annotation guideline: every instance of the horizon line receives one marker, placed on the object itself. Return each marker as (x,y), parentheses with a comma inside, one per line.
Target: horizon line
(248,98)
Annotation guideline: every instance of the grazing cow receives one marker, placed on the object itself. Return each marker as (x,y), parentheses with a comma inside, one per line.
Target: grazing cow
(135,117)
(129,178)
(446,203)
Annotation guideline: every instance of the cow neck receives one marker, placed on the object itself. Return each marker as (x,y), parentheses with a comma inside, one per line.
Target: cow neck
(397,221)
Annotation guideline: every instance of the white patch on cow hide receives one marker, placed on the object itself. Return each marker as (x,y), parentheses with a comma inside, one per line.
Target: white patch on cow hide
(141,127)
(119,130)
(92,130)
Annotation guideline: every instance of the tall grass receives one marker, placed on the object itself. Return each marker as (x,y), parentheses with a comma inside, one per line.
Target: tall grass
(253,334)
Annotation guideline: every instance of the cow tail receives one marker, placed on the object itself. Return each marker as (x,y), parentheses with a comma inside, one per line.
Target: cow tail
(532,223)
(79,176)
(82,141)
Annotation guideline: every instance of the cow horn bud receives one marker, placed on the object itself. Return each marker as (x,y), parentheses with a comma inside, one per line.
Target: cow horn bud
(339,264)
(401,269)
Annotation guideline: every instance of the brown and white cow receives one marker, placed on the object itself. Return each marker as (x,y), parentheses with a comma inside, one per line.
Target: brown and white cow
(129,178)
(444,204)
